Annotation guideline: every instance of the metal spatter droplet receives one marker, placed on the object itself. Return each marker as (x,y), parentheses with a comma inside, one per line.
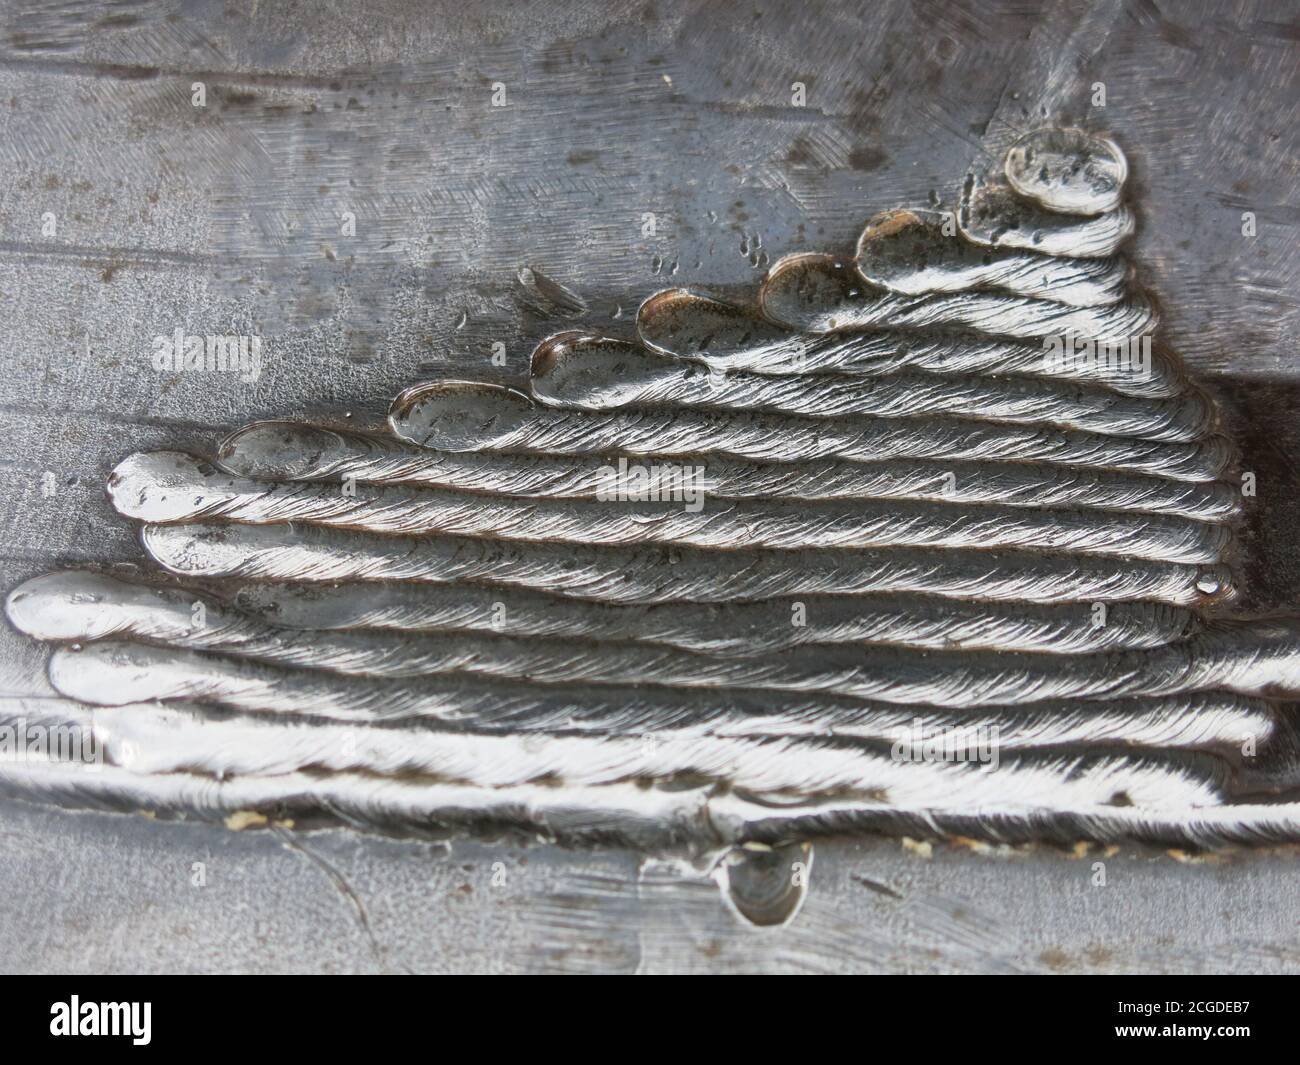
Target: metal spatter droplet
(766,886)
(951,491)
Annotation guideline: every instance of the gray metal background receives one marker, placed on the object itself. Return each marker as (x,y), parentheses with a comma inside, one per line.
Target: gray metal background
(228,219)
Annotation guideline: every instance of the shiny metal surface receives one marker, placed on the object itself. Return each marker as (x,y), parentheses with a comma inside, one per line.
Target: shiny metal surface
(1065,20)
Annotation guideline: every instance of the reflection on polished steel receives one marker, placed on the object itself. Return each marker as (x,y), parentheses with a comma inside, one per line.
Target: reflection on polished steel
(728,584)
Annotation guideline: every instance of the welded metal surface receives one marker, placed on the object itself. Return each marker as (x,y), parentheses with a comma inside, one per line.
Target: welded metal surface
(232,218)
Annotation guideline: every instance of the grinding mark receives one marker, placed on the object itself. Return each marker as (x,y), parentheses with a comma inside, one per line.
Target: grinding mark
(112,418)
(879,888)
(137,72)
(345,890)
(173,486)
(547,297)
(98,254)
(965,929)
(586,926)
